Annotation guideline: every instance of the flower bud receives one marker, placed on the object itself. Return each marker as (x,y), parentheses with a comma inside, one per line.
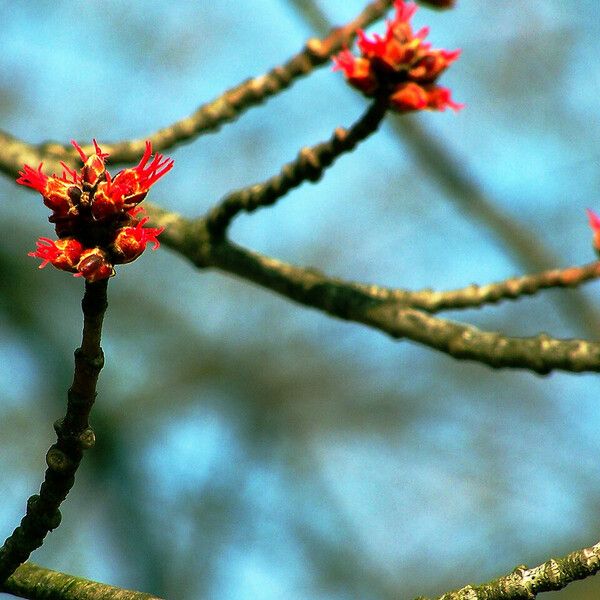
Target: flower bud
(400,63)
(64,254)
(130,242)
(94,265)
(93,166)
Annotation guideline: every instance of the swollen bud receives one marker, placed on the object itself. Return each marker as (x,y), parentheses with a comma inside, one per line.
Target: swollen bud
(130,242)
(64,254)
(94,265)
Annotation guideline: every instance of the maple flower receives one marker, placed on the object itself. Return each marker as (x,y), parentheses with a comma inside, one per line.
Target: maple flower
(64,254)
(130,186)
(94,264)
(357,71)
(96,216)
(55,190)
(594,221)
(400,65)
(130,242)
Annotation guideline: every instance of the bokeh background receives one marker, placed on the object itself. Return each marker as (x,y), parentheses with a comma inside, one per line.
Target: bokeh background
(249,447)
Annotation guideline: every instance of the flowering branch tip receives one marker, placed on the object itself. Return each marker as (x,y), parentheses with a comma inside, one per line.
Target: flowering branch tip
(400,65)
(95,214)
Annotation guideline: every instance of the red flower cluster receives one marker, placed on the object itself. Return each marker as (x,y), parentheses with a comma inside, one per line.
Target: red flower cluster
(400,64)
(96,215)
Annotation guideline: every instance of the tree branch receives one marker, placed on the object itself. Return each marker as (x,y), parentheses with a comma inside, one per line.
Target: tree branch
(74,435)
(364,304)
(309,165)
(526,584)
(541,353)
(36,583)
(525,246)
(474,296)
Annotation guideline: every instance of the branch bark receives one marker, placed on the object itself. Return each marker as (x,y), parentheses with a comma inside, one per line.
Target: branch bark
(74,435)
(309,165)
(364,304)
(36,583)
(475,296)
(525,584)
(526,248)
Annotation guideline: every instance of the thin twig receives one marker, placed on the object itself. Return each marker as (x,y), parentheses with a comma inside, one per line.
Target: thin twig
(475,296)
(525,246)
(540,354)
(74,435)
(309,165)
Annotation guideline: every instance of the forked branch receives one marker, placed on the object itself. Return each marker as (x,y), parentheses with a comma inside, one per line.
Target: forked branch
(391,311)
(308,166)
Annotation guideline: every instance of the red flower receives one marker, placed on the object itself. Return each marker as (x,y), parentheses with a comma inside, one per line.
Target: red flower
(429,67)
(400,64)
(130,186)
(96,216)
(357,71)
(439,99)
(63,254)
(55,190)
(94,265)
(594,221)
(93,167)
(409,96)
(130,242)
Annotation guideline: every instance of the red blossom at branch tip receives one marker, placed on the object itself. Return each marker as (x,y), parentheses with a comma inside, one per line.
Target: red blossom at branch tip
(55,190)
(130,186)
(400,65)
(440,99)
(68,172)
(139,179)
(130,242)
(357,71)
(84,156)
(98,217)
(93,165)
(94,265)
